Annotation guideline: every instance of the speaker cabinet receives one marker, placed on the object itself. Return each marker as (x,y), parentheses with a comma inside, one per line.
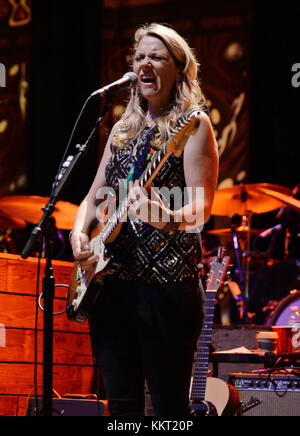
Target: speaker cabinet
(274,395)
(68,407)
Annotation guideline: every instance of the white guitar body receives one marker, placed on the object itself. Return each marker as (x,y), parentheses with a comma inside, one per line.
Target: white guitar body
(217,393)
(81,284)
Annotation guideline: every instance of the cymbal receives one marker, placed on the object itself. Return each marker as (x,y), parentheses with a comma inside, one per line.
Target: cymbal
(244,199)
(289,200)
(241,230)
(9,222)
(29,208)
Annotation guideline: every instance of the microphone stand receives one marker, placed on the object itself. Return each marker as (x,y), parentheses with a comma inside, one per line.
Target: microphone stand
(237,256)
(47,229)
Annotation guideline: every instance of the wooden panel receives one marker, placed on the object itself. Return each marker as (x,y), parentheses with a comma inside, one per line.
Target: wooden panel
(13,405)
(22,405)
(68,348)
(3,275)
(18,311)
(73,369)
(9,406)
(18,379)
(17,278)
(20,276)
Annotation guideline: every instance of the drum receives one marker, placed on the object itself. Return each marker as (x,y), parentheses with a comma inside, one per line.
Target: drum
(281,313)
(279,323)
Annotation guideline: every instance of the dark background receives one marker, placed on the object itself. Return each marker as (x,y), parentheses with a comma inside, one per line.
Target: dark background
(65,69)
(274,127)
(66,65)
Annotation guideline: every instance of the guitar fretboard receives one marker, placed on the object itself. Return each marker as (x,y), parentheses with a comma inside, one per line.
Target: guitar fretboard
(215,279)
(203,350)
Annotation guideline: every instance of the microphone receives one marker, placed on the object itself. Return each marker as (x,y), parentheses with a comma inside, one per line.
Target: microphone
(270,231)
(128,80)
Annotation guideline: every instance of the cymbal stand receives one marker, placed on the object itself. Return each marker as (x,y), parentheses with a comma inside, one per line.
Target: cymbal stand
(244,281)
(242,298)
(286,221)
(248,217)
(238,257)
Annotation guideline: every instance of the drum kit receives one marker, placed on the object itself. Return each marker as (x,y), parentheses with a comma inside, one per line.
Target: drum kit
(19,210)
(244,201)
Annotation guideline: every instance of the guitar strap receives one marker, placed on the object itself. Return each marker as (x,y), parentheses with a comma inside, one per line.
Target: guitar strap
(138,168)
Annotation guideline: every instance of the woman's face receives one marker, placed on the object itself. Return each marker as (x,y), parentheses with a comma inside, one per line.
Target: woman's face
(156,71)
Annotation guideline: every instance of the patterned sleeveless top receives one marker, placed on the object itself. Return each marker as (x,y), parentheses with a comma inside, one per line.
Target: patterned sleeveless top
(144,253)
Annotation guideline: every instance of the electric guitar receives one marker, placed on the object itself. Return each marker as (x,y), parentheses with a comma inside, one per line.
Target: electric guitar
(83,289)
(211,396)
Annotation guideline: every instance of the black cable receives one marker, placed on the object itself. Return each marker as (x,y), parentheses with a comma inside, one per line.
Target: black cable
(69,142)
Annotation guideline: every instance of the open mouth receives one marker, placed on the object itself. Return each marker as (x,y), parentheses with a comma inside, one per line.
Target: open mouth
(148,79)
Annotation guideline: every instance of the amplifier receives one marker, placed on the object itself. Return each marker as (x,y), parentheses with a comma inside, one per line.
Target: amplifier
(68,407)
(268,395)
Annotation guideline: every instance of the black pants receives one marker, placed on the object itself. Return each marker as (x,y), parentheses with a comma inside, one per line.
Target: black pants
(147,331)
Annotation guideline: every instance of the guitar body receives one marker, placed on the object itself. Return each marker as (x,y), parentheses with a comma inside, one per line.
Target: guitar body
(221,399)
(222,396)
(85,289)
(217,393)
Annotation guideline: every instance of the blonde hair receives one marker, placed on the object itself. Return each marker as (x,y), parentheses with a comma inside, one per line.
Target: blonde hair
(187,95)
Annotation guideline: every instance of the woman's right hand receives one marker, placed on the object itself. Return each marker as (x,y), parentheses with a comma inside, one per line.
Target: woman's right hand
(81,251)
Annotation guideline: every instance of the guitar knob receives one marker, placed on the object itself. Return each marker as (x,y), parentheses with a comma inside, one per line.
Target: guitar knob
(106,253)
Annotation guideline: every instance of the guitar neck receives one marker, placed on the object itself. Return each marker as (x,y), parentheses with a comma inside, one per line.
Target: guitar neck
(203,350)
(215,279)
(145,180)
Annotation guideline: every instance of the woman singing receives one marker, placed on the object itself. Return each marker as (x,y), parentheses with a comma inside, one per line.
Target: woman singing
(146,322)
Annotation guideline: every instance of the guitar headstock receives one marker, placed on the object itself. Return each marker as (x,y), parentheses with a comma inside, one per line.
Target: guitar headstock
(186,126)
(218,269)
